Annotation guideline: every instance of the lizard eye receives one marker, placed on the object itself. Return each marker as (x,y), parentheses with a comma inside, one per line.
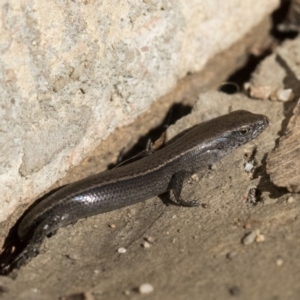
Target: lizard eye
(244,131)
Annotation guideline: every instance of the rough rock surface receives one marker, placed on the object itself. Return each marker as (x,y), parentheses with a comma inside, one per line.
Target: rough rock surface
(283,163)
(280,72)
(71,72)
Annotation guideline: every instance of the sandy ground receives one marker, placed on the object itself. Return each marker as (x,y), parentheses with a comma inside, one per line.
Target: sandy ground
(194,253)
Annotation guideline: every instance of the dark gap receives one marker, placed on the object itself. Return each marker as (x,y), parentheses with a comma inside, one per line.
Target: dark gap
(176,112)
(280,16)
(265,184)
(12,241)
(11,248)
(243,75)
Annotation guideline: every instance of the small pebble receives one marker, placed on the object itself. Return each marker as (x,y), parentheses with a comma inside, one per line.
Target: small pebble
(260,238)
(122,250)
(285,95)
(279,262)
(231,255)
(81,296)
(249,238)
(290,199)
(73,257)
(150,239)
(212,167)
(112,225)
(146,288)
(174,217)
(248,167)
(247,86)
(260,92)
(146,245)
(127,292)
(195,177)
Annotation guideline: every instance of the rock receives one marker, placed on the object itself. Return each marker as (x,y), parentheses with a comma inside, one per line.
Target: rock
(283,163)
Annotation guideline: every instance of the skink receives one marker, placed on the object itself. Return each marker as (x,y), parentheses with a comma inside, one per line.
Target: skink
(164,170)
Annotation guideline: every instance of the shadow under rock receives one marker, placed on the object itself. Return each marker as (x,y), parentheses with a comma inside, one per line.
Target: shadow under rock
(265,184)
(13,246)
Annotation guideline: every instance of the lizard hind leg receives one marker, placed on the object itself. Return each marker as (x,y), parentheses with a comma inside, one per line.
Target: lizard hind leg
(176,187)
